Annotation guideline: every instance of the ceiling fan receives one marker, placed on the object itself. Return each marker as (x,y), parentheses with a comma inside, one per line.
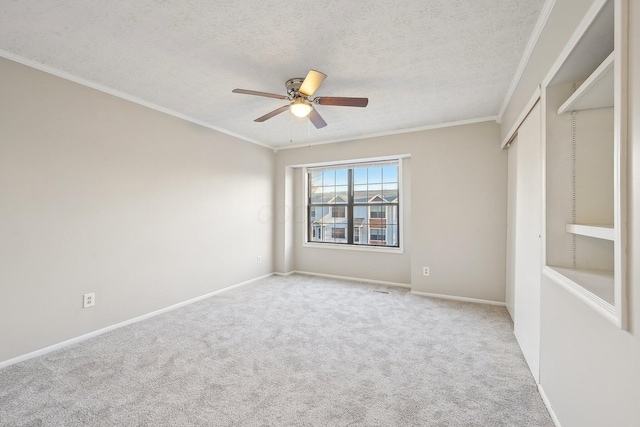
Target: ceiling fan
(299,92)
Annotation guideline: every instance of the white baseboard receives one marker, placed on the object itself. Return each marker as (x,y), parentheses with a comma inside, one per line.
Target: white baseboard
(284,274)
(84,337)
(455,298)
(351,279)
(545,399)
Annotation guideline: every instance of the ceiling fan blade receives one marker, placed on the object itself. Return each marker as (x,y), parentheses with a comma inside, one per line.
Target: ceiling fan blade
(271,114)
(316,119)
(312,82)
(342,101)
(253,92)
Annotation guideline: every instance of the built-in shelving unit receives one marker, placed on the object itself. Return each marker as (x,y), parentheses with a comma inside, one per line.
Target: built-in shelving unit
(606,232)
(595,92)
(585,146)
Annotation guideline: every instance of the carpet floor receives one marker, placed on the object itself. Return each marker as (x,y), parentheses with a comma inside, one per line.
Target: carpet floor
(287,351)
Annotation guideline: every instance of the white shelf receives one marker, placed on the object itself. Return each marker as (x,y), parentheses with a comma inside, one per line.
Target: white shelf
(596,92)
(594,287)
(605,232)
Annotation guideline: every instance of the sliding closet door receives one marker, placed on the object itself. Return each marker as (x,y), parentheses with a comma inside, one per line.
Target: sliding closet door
(527,227)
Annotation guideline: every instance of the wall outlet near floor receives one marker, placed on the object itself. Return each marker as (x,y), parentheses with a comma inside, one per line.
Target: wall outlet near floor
(88,300)
(425,271)
(259,259)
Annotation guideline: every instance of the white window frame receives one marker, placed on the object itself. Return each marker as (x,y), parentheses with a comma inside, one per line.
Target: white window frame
(341,246)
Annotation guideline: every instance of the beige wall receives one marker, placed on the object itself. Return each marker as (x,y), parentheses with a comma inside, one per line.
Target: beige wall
(590,369)
(98,194)
(384,267)
(291,256)
(455,217)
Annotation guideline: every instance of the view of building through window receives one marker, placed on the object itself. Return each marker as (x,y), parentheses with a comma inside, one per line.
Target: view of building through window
(354,204)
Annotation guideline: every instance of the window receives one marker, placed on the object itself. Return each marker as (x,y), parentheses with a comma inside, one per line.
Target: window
(378,235)
(377,212)
(354,204)
(338,211)
(338,233)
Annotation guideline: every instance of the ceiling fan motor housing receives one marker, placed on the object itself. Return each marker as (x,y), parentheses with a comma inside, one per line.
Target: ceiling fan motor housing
(293,86)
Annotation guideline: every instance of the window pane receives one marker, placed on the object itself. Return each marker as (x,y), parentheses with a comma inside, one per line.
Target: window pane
(374,175)
(315,178)
(328,194)
(329,177)
(316,195)
(390,174)
(390,192)
(378,236)
(339,211)
(339,233)
(391,212)
(360,194)
(328,229)
(378,211)
(342,177)
(324,215)
(314,214)
(374,195)
(392,236)
(315,233)
(392,215)
(360,176)
(360,212)
(342,195)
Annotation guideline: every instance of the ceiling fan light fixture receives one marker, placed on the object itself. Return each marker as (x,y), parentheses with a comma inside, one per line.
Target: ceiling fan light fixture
(300,107)
(299,92)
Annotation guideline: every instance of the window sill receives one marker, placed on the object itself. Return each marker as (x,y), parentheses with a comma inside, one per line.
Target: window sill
(378,249)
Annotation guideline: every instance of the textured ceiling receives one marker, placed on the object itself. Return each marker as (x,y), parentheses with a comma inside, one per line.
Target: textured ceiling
(420,62)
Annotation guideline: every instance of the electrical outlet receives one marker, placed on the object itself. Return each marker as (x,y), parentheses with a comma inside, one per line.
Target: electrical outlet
(425,271)
(259,259)
(88,300)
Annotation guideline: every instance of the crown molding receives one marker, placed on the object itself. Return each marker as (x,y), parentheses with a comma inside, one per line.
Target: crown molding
(97,86)
(526,55)
(395,132)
